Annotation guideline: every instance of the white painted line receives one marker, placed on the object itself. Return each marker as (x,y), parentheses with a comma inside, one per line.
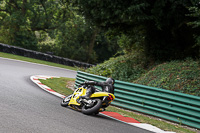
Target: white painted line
(149,127)
(44,87)
(142,125)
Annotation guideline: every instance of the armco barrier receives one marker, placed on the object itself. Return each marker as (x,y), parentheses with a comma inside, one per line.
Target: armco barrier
(42,56)
(170,105)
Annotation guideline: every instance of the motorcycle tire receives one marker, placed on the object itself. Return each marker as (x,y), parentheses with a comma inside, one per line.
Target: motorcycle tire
(65,101)
(96,113)
(93,109)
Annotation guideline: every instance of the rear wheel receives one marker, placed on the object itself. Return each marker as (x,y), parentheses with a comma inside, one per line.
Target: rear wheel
(92,109)
(96,113)
(65,101)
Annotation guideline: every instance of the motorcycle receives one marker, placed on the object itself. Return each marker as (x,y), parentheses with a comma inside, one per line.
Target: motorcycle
(97,102)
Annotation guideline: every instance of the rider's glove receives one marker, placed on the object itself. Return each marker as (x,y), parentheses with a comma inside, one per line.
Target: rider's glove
(86,82)
(81,84)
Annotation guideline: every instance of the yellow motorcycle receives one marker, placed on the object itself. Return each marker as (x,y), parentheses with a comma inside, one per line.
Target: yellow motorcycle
(97,102)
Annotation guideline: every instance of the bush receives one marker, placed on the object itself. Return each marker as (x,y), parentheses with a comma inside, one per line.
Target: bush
(181,76)
(125,68)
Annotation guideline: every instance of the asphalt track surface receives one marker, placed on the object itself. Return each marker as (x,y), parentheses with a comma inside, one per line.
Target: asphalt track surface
(25,108)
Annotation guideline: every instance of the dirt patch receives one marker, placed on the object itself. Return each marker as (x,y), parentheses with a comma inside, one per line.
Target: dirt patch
(70,85)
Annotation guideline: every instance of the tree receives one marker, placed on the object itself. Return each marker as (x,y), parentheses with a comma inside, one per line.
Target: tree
(166,32)
(195,12)
(79,40)
(22,18)
(52,26)
(74,40)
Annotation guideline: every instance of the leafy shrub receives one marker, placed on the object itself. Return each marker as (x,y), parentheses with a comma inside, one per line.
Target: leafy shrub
(125,68)
(181,76)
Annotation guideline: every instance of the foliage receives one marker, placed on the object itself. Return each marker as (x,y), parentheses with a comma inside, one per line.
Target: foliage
(195,12)
(113,14)
(53,26)
(22,18)
(181,76)
(131,43)
(126,68)
(79,41)
(106,47)
(4,35)
(164,26)
(72,41)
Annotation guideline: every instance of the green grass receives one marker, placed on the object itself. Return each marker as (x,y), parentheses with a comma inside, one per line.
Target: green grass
(22,58)
(59,85)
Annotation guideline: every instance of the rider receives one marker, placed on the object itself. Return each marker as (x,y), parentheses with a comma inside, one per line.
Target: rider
(107,86)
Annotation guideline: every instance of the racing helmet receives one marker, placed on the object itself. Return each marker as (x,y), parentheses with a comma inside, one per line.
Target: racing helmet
(110,81)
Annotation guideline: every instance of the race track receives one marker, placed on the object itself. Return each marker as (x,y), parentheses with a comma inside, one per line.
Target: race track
(25,108)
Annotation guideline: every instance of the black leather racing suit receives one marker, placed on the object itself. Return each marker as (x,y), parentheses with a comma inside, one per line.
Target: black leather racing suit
(106,87)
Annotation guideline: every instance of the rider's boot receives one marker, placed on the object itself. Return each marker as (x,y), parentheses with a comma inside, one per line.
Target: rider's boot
(89,92)
(87,96)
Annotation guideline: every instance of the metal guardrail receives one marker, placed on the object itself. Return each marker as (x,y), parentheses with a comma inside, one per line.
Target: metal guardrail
(170,105)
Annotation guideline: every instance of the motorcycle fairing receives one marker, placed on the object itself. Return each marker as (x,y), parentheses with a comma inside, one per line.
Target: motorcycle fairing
(78,92)
(101,94)
(82,91)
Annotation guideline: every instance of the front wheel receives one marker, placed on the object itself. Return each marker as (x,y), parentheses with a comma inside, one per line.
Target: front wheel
(65,101)
(94,109)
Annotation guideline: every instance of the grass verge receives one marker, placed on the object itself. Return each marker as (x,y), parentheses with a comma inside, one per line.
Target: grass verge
(59,85)
(22,58)
(63,85)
